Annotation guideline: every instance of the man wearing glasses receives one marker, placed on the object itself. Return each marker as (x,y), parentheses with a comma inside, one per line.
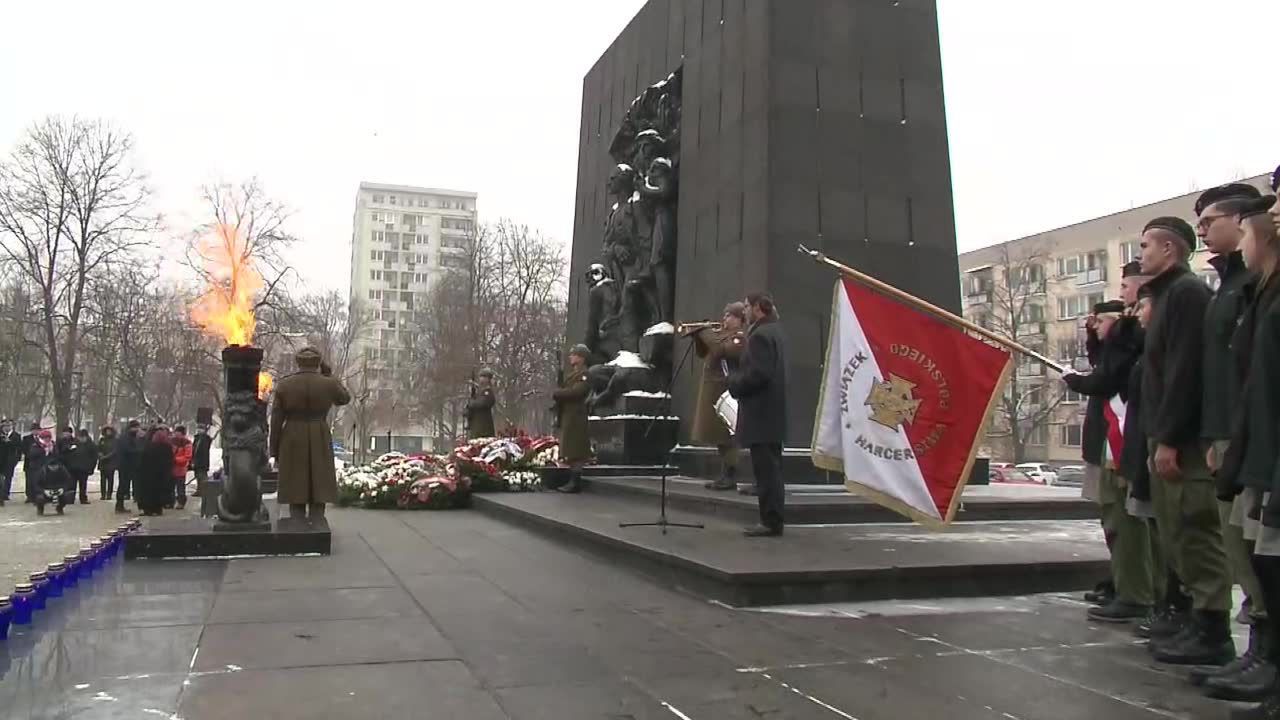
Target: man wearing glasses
(1219,231)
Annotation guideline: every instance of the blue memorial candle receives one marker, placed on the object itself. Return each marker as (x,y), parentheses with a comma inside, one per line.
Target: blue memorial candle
(6,615)
(40,581)
(73,571)
(57,573)
(23,598)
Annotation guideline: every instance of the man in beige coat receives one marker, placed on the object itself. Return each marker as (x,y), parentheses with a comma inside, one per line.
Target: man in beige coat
(300,439)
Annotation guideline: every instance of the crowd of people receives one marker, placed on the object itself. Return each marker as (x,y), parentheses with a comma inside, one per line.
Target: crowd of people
(1180,444)
(148,466)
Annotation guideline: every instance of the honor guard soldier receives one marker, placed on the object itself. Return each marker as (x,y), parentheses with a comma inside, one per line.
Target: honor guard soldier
(300,440)
(571,399)
(480,407)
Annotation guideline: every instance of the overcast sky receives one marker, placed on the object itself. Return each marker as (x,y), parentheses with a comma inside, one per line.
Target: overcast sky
(1057,112)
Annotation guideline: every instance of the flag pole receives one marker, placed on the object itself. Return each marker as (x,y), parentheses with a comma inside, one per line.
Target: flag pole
(928,307)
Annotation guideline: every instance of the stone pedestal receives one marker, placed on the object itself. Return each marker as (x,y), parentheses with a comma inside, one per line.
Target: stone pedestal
(185,536)
(629,440)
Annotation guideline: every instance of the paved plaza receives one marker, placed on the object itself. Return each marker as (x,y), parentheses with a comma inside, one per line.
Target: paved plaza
(458,615)
(29,543)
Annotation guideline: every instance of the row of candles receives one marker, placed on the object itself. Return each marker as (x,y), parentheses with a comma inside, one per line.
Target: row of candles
(30,597)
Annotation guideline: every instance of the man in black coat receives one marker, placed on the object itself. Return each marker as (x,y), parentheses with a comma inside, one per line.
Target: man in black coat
(129,448)
(107,463)
(28,471)
(760,386)
(1131,544)
(10,454)
(1182,488)
(200,460)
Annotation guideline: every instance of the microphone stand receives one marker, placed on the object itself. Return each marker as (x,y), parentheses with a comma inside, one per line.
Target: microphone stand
(662,521)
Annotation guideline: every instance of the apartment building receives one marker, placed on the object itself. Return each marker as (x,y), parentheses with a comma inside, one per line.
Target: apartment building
(403,239)
(1053,279)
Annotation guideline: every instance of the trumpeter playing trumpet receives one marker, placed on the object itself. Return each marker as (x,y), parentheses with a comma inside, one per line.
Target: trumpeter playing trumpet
(719,344)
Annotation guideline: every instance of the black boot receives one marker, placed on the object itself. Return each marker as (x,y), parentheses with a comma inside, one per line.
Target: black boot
(1209,644)
(1199,676)
(573,486)
(1164,624)
(1255,678)
(1102,593)
(1119,611)
(1268,710)
(728,480)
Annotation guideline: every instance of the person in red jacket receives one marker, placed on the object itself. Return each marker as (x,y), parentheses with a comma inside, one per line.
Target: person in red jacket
(182,450)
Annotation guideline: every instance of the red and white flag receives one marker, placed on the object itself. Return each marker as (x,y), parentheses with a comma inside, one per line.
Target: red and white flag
(903,401)
(1114,412)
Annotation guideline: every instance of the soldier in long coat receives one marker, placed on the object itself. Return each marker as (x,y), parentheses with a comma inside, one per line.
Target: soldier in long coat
(720,350)
(300,439)
(571,399)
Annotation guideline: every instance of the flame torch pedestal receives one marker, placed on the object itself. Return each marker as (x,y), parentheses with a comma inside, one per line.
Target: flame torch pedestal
(244,525)
(244,443)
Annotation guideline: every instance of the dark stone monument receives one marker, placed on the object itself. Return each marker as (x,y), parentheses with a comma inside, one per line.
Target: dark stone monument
(783,122)
(631,288)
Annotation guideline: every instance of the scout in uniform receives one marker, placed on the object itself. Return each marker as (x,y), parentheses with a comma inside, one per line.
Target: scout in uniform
(1182,489)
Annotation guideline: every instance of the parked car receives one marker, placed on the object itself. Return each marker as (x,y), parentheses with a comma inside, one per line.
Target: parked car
(1070,476)
(1000,465)
(1041,472)
(1012,475)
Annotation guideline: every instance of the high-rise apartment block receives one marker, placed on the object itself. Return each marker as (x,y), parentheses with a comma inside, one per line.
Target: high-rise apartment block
(403,239)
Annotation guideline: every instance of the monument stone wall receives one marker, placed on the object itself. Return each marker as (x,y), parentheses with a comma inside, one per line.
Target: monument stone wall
(804,121)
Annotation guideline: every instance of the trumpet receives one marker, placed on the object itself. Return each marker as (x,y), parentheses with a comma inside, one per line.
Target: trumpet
(692,327)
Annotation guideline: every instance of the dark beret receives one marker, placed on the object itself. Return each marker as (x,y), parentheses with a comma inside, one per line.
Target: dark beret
(1175,225)
(1230,191)
(1130,269)
(1108,306)
(1275,180)
(1257,207)
(580,350)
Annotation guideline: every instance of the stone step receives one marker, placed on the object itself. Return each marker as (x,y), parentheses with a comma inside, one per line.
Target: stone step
(817,563)
(178,534)
(829,505)
(654,471)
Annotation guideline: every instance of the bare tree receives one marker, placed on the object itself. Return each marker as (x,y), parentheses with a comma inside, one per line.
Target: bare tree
(503,308)
(71,204)
(1009,298)
(324,321)
(239,257)
(147,350)
(24,382)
